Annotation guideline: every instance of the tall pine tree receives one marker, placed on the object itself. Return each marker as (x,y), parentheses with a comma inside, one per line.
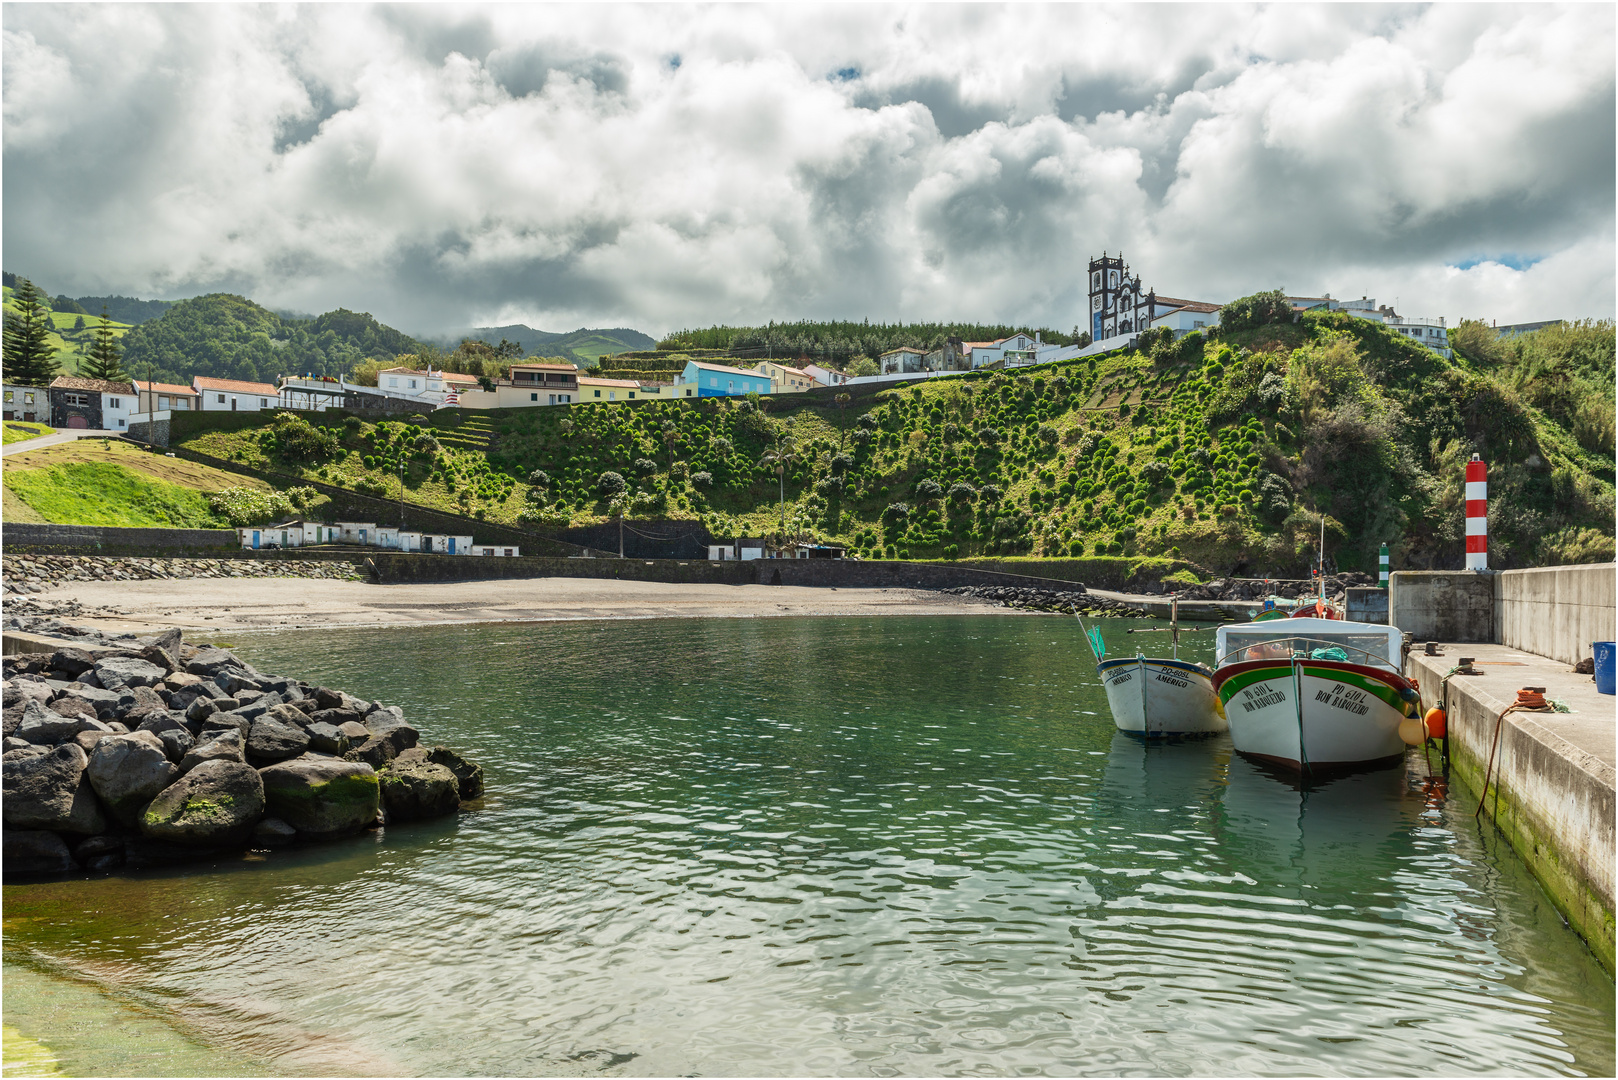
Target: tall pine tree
(29,357)
(105,359)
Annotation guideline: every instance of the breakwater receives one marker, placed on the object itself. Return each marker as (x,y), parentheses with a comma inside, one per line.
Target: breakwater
(1550,773)
(152,751)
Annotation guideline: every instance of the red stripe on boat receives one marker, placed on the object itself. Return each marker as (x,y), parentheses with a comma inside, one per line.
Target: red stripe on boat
(1397,682)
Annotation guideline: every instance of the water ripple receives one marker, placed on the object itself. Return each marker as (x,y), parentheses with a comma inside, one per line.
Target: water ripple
(745,848)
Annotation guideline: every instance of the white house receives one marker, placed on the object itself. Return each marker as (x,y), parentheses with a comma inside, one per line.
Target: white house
(447,545)
(231,395)
(496,550)
(357,532)
(980,354)
(1433,334)
(1186,316)
(826,376)
(287,534)
(159,396)
(743,549)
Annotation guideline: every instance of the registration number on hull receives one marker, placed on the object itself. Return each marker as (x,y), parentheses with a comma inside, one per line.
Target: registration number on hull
(1344,697)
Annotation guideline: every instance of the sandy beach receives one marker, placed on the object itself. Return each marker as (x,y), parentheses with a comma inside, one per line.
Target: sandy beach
(244,604)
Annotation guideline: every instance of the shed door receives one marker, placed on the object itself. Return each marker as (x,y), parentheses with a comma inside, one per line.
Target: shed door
(452,545)
(77,422)
(255,539)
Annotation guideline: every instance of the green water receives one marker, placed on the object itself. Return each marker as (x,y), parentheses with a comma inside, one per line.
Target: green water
(824,847)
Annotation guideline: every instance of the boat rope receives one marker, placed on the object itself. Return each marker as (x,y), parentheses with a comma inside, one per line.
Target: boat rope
(1529,699)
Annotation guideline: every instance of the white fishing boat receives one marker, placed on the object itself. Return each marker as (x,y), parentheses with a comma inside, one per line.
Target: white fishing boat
(1158,696)
(1312,694)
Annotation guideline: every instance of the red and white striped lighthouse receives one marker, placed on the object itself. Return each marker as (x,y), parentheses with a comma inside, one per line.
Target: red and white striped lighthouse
(1477,514)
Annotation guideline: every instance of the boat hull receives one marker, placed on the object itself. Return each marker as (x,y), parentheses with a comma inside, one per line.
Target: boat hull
(1178,698)
(1311,715)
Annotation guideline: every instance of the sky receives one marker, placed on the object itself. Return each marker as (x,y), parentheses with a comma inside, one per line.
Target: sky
(661,167)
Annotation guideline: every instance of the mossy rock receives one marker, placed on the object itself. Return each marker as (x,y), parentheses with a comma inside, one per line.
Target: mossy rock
(322,796)
(215,804)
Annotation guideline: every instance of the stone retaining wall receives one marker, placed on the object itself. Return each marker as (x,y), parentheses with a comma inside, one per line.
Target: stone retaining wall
(88,539)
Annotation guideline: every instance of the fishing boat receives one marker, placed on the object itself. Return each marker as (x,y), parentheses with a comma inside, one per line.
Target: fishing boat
(1154,696)
(1312,694)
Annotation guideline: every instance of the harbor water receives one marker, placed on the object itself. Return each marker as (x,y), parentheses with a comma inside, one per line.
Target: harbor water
(846,847)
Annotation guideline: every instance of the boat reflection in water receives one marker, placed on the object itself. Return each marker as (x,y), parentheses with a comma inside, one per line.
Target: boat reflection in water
(1346,833)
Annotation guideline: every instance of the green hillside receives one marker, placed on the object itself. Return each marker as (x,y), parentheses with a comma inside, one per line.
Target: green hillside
(231,337)
(1223,452)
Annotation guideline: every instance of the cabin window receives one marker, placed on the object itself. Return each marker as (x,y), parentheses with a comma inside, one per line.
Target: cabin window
(533,397)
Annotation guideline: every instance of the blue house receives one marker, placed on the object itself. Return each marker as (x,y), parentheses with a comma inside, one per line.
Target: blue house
(715,380)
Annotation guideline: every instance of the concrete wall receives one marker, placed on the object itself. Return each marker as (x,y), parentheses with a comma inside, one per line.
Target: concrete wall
(1553,802)
(1366,605)
(1556,611)
(1442,605)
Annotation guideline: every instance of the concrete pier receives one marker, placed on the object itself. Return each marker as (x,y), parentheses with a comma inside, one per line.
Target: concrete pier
(1552,790)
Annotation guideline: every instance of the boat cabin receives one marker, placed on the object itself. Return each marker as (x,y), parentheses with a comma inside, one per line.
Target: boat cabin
(1308,638)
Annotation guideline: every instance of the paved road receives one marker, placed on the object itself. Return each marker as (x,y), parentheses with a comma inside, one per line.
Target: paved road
(52,440)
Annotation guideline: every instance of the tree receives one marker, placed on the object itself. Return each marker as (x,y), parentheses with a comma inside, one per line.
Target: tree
(30,358)
(843,400)
(864,368)
(671,435)
(105,358)
(781,458)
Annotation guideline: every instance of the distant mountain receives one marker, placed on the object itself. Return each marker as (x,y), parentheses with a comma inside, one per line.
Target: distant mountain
(581,346)
(230,337)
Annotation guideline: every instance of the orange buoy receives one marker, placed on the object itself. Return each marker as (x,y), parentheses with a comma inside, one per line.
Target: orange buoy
(1436,723)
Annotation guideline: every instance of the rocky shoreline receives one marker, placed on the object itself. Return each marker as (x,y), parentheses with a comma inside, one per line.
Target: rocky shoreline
(33,573)
(153,751)
(1078,601)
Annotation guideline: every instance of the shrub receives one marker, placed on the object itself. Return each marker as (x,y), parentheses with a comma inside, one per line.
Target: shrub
(246,506)
(962,492)
(928,489)
(296,439)
(539,478)
(645,466)
(610,484)
(895,512)
(427,444)
(1251,312)
(702,479)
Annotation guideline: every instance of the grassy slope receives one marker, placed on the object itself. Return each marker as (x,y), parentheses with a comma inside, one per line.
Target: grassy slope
(1377,479)
(21,431)
(87,482)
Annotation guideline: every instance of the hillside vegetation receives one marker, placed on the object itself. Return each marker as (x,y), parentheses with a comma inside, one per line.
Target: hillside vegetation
(108,482)
(1225,452)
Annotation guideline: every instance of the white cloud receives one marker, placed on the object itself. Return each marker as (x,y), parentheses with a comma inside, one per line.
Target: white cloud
(662,167)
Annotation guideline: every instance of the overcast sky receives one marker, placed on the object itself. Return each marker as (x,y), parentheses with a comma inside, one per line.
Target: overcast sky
(662,167)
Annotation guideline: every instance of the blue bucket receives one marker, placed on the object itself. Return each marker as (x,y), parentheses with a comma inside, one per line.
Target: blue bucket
(1605,652)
